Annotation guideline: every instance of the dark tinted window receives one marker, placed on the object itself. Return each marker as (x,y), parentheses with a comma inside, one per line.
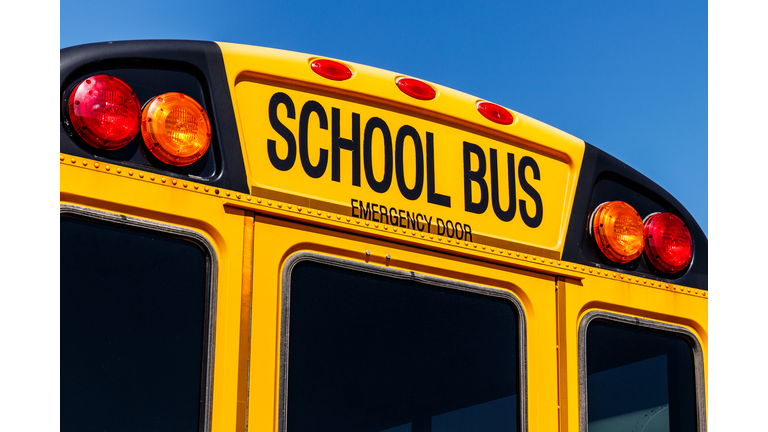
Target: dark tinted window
(639,379)
(373,353)
(132,329)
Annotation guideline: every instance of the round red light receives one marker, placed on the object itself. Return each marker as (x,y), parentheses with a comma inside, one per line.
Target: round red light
(668,243)
(495,113)
(105,112)
(415,88)
(331,69)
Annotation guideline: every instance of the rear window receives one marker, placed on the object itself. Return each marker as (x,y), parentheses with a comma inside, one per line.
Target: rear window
(381,351)
(639,378)
(133,329)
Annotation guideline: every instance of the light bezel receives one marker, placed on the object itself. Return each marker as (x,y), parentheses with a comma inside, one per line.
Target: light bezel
(407,84)
(486,109)
(327,68)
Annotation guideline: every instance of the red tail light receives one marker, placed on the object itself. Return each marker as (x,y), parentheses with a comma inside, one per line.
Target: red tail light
(105,112)
(331,69)
(668,243)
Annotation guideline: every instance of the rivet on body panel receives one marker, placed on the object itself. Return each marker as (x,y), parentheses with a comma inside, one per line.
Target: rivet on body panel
(107,167)
(237,195)
(248,197)
(185,184)
(141,174)
(130,172)
(73,160)
(328,215)
(298,208)
(61,157)
(279,205)
(119,170)
(269,203)
(152,177)
(196,186)
(95,164)
(207,189)
(376,225)
(388,256)
(348,219)
(85,163)
(227,193)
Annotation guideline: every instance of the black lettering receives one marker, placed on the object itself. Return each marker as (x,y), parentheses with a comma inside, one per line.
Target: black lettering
(366,211)
(468,232)
(400,219)
(429,224)
(440,231)
(383,213)
(420,221)
(375,212)
(314,171)
(432,196)
(415,193)
(373,124)
(345,144)
(535,220)
(474,176)
(508,214)
(459,231)
(449,224)
(354,206)
(393,217)
(287,163)
(411,220)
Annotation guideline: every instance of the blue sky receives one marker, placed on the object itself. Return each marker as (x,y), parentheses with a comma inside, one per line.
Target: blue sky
(627,77)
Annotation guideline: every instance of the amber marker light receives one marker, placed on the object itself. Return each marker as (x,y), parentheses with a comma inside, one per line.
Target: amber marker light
(618,231)
(175,129)
(416,88)
(331,69)
(668,243)
(105,112)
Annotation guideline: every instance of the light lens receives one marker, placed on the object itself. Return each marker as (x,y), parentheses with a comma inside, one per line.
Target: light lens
(668,243)
(495,113)
(618,231)
(415,88)
(331,69)
(175,129)
(105,112)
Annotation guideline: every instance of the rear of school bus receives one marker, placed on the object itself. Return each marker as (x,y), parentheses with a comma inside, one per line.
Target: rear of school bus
(254,239)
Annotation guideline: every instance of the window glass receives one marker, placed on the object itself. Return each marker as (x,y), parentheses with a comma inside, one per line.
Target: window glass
(374,353)
(132,329)
(639,379)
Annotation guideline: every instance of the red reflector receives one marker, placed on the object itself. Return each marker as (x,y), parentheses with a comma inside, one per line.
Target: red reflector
(495,113)
(415,88)
(668,243)
(331,69)
(105,112)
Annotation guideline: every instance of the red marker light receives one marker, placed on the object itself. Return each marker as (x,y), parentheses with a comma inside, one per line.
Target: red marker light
(416,88)
(331,69)
(495,113)
(105,112)
(668,243)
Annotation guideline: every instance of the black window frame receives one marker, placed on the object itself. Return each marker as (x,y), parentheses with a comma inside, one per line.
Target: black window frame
(298,257)
(647,324)
(211,277)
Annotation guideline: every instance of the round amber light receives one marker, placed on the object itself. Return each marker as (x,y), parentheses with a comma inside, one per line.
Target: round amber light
(668,243)
(175,129)
(618,231)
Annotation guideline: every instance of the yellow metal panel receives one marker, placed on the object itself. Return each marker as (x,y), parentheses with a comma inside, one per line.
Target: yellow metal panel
(668,304)
(277,239)
(132,192)
(544,165)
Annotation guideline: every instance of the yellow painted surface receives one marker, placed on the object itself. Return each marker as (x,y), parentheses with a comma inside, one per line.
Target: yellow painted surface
(139,196)
(275,93)
(535,292)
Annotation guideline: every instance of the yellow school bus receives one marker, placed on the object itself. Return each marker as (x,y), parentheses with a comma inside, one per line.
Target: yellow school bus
(261,240)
